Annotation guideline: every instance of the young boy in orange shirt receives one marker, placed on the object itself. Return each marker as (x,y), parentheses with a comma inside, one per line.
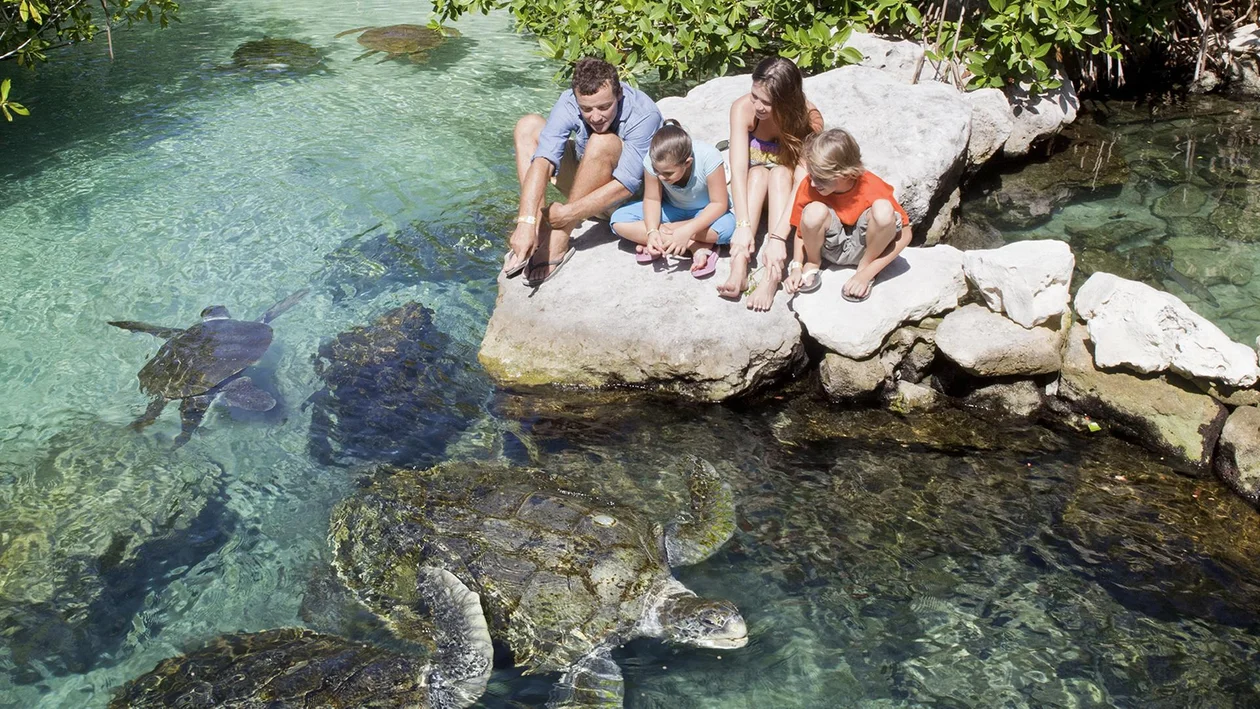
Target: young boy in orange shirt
(844,214)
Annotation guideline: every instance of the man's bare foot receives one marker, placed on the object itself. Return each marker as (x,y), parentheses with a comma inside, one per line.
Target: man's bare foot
(734,286)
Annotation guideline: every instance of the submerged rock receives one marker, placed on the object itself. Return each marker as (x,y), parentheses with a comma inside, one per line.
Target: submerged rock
(1235,216)
(1181,201)
(86,529)
(397,390)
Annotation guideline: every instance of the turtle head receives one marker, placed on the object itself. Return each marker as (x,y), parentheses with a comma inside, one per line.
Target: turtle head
(703,622)
(215,312)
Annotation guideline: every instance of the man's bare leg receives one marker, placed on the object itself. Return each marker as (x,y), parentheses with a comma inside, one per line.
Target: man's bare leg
(595,170)
(758,182)
(523,240)
(780,198)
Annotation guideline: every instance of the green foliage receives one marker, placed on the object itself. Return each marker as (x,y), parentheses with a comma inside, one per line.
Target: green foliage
(991,43)
(7,106)
(29,28)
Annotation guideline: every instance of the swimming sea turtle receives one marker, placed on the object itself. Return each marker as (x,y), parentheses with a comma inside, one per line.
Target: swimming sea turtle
(277,54)
(292,667)
(411,41)
(563,578)
(205,361)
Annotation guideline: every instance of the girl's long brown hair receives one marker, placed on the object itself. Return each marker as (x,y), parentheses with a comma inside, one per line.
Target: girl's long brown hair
(783,81)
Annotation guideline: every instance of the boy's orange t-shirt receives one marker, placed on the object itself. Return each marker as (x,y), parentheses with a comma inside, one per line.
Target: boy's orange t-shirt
(849,205)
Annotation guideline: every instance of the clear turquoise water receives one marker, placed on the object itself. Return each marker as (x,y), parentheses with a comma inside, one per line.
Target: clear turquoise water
(879,563)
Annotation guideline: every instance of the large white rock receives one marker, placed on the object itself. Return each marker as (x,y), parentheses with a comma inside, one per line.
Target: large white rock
(988,345)
(1237,459)
(1039,117)
(919,283)
(1147,330)
(991,124)
(897,58)
(1027,280)
(606,320)
(914,136)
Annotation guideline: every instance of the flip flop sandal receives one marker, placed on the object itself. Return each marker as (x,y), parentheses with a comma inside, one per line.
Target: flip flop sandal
(811,281)
(645,256)
(855,299)
(515,271)
(558,263)
(710,265)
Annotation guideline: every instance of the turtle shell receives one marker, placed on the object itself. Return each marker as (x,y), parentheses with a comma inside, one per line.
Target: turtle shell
(287,667)
(401,39)
(559,574)
(203,356)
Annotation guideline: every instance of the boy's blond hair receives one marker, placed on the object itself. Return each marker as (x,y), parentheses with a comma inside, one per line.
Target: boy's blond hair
(833,154)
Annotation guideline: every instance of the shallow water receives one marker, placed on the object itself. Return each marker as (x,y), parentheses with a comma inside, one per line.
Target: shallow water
(879,562)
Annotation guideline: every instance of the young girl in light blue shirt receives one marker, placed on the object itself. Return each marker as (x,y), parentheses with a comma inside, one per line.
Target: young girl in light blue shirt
(685,209)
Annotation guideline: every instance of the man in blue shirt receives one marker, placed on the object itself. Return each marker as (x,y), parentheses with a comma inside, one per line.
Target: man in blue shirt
(592,147)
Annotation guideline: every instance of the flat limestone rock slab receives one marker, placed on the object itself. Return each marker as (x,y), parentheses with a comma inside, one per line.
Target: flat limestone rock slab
(1171,420)
(1147,330)
(987,344)
(607,320)
(921,158)
(919,283)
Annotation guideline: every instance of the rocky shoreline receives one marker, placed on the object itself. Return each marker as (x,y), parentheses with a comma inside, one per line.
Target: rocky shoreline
(990,328)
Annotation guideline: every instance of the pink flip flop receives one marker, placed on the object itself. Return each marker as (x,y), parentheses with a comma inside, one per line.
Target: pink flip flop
(645,256)
(710,265)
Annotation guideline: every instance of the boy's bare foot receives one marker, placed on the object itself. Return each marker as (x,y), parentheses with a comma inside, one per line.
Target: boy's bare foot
(734,286)
(762,298)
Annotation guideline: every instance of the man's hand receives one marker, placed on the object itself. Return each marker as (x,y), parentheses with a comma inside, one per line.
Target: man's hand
(560,216)
(524,238)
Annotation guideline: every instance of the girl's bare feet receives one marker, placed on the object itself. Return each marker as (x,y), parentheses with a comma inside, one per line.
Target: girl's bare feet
(734,286)
(762,298)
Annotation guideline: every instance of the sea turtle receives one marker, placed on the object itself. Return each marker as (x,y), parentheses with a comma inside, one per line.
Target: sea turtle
(563,577)
(202,362)
(396,41)
(277,54)
(296,667)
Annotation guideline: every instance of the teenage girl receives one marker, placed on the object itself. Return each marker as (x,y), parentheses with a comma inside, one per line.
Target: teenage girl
(769,126)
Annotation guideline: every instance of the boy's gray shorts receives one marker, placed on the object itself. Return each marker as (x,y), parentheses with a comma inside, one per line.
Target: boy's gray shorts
(844,245)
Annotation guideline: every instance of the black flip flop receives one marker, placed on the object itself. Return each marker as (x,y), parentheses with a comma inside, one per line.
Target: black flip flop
(558,263)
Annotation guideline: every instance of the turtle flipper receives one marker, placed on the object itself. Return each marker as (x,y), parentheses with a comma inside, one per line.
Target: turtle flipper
(465,653)
(150,414)
(278,309)
(699,533)
(244,394)
(595,681)
(165,333)
(191,411)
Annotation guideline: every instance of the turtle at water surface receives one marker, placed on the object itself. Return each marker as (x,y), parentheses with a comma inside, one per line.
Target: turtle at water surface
(563,578)
(200,363)
(277,54)
(397,41)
